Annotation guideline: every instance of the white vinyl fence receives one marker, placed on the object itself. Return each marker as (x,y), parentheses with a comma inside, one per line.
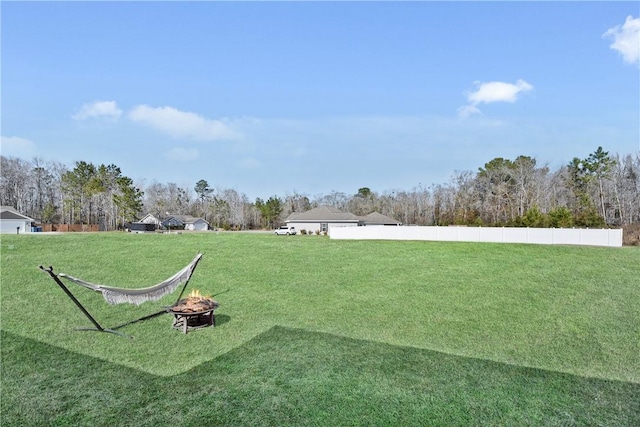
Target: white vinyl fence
(544,236)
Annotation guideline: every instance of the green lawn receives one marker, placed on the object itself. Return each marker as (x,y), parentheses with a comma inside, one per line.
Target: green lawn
(319,332)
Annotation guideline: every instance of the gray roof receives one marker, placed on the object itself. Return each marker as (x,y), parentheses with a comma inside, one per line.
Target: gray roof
(330,214)
(378,218)
(185,219)
(324,214)
(150,218)
(8,212)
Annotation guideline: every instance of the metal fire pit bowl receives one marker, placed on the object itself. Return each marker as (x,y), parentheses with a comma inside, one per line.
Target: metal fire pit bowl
(193,318)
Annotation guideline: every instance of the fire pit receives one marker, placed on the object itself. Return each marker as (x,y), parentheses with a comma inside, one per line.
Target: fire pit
(194,312)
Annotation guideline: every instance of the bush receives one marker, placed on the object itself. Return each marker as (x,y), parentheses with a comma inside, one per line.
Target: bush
(589,218)
(561,218)
(303,231)
(532,218)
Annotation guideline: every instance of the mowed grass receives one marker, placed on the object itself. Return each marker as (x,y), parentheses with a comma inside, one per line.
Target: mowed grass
(313,331)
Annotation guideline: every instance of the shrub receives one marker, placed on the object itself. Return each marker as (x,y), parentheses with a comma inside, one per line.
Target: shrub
(589,218)
(561,218)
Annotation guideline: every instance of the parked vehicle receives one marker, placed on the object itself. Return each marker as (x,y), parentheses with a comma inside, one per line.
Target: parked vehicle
(285,230)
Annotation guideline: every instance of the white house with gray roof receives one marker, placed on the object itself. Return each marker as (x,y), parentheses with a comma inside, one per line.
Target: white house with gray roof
(323,218)
(186,222)
(151,219)
(13,222)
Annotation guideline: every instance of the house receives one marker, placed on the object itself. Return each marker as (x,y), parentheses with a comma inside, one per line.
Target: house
(323,217)
(13,222)
(150,219)
(185,222)
(376,218)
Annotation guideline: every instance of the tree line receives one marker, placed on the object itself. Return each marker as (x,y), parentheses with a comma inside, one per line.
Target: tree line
(597,191)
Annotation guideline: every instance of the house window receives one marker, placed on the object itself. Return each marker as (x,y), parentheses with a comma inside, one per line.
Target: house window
(324,227)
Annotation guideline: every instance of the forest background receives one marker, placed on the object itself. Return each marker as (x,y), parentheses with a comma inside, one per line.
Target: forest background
(601,190)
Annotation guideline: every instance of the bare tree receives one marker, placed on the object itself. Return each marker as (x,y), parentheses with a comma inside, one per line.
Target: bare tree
(295,203)
(14,183)
(335,199)
(625,183)
(363,202)
(236,203)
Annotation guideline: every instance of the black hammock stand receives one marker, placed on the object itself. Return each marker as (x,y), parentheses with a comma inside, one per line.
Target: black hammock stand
(115,295)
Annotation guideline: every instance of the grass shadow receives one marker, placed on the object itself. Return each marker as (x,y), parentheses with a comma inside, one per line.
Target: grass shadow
(221,319)
(295,377)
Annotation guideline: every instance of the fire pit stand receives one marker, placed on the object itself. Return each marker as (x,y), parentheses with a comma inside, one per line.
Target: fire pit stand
(188,321)
(194,312)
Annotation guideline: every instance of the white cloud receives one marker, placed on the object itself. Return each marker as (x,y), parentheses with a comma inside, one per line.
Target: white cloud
(17,147)
(468,110)
(180,154)
(497,92)
(626,39)
(490,92)
(104,109)
(181,124)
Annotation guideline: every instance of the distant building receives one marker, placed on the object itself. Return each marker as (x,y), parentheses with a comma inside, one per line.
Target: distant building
(185,222)
(13,222)
(150,219)
(323,217)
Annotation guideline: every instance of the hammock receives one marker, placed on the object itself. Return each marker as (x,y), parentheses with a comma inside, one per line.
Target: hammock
(115,295)
(137,296)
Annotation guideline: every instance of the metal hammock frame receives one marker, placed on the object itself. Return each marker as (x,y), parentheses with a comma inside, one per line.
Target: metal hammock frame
(115,295)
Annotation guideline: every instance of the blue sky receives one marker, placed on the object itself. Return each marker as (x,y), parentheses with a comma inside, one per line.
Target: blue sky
(272,98)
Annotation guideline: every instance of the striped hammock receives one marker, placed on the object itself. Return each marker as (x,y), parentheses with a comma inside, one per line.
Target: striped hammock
(115,295)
